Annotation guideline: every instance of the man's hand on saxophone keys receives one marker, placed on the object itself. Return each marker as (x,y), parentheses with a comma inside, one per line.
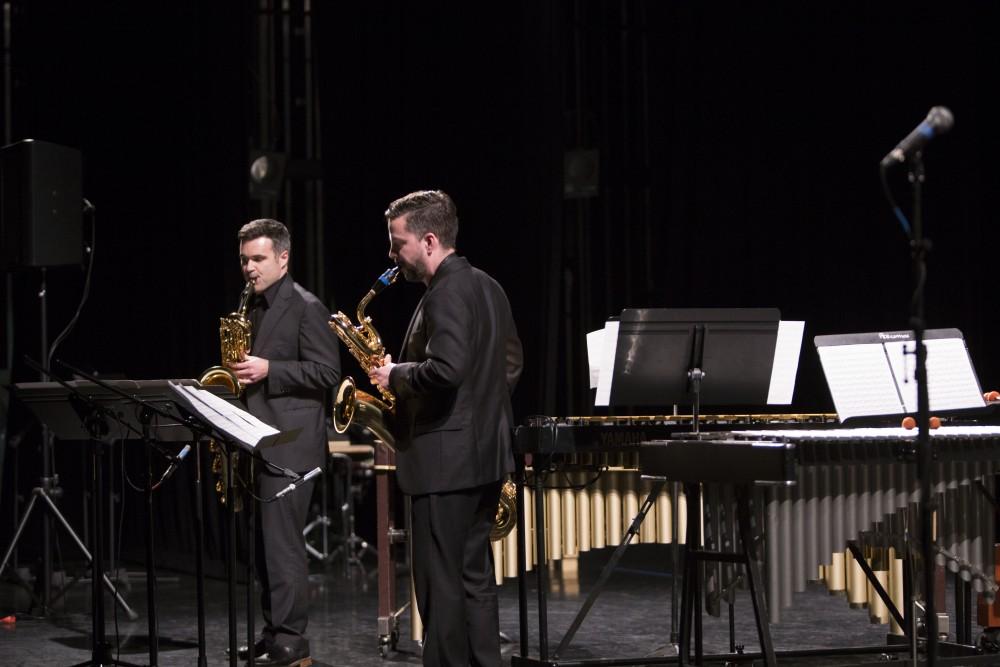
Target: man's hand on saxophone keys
(251,369)
(380,374)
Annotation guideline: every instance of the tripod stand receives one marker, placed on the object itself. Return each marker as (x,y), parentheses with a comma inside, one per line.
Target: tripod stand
(45,493)
(47,490)
(352,548)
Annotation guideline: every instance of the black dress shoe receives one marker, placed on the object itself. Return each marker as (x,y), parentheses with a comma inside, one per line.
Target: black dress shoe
(279,655)
(259,649)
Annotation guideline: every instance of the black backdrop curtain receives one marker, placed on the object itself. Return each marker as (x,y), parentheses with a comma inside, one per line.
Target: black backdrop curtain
(736,145)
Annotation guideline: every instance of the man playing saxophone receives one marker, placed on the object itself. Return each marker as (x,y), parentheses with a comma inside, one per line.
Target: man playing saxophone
(460,360)
(293,360)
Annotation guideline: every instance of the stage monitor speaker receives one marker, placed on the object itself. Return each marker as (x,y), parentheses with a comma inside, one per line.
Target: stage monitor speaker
(41,205)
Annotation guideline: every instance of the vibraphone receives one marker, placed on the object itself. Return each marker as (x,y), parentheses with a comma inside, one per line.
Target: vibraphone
(580,516)
(571,515)
(853,485)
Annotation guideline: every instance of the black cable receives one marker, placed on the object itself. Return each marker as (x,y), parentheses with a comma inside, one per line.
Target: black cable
(89,209)
(91,251)
(898,212)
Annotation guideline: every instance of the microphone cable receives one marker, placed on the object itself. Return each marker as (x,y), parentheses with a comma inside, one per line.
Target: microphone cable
(89,209)
(896,210)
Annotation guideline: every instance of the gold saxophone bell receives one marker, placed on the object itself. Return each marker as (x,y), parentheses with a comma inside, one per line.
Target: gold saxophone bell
(506,517)
(235,333)
(355,406)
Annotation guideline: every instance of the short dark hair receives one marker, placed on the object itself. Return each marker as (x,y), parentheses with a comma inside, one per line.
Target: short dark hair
(281,240)
(427,211)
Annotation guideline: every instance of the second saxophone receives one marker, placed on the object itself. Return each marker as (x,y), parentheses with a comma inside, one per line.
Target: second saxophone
(365,345)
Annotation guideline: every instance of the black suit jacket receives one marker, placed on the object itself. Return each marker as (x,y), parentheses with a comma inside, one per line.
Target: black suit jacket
(303,362)
(459,363)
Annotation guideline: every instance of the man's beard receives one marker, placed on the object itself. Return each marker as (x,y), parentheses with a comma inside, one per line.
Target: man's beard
(412,273)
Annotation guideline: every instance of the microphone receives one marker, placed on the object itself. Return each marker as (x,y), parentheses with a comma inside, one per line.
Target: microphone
(297,483)
(939,120)
(174,464)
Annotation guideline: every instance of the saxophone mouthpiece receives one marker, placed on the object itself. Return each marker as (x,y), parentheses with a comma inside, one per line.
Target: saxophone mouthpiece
(386,279)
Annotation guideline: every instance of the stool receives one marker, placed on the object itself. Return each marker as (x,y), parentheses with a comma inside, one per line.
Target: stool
(352,548)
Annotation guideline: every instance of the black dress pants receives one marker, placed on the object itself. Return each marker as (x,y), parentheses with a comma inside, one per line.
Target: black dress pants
(282,565)
(454,578)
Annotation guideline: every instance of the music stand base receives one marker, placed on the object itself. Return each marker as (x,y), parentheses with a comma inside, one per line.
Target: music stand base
(41,492)
(102,658)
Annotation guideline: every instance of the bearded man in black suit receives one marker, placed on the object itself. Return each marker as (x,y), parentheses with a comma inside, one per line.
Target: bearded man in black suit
(459,363)
(293,360)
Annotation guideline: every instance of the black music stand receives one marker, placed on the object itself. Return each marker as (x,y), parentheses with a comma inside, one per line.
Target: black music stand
(876,366)
(663,356)
(870,375)
(80,417)
(232,430)
(132,404)
(718,356)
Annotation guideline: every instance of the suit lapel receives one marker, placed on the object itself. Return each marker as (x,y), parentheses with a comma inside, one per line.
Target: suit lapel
(273,315)
(418,314)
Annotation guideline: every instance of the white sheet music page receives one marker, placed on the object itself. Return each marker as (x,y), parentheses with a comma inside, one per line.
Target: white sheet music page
(860,380)
(594,354)
(231,420)
(786,362)
(951,381)
(606,368)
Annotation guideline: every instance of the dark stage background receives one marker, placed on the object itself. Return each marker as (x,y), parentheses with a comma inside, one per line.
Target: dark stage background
(735,147)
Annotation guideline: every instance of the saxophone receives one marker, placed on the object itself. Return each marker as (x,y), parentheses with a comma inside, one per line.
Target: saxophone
(234,337)
(365,345)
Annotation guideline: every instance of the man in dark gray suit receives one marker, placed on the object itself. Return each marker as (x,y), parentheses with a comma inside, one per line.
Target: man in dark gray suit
(460,361)
(293,360)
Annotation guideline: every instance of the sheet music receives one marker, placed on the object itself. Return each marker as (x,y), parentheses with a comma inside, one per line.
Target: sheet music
(951,381)
(594,353)
(861,380)
(786,362)
(231,420)
(606,367)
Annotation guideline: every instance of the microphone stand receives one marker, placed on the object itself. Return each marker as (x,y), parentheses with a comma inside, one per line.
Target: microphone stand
(919,248)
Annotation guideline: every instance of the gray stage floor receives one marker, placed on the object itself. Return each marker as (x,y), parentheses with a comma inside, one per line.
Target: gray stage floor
(631,619)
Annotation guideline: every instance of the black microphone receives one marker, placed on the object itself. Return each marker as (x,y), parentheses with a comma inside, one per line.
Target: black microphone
(172,468)
(302,480)
(939,120)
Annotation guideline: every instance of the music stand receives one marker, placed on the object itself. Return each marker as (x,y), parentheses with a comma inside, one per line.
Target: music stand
(131,404)
(237,429)
(870,375)
(721,356)
(663,356)
(80,417)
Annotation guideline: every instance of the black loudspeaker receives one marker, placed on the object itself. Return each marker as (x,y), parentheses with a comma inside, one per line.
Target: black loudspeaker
(41,205)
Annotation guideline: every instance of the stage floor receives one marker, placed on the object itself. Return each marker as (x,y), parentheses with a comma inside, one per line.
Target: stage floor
(630,619)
